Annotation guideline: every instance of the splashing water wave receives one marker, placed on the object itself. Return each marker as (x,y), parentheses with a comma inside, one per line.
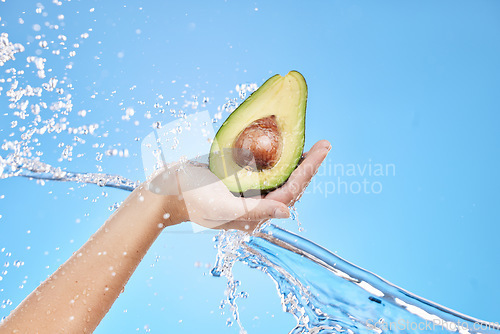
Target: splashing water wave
(327,294)
(15,165)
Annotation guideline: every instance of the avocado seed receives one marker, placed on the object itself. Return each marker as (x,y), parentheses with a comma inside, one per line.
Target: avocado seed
(260,141)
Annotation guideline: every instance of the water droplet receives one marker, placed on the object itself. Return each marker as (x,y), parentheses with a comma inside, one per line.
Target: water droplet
(115,206)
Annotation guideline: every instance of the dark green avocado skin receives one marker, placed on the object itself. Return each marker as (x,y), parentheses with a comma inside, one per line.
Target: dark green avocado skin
(284,98)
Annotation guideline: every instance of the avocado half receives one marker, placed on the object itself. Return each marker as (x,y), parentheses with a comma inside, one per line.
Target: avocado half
(261,142)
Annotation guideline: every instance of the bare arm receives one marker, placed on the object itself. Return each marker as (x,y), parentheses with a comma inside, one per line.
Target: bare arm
(80,293)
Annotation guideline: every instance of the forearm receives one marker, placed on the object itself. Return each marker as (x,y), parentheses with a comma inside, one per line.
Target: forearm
(78,295)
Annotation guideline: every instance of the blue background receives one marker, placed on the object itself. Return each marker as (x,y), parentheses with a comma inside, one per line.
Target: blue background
(413,84)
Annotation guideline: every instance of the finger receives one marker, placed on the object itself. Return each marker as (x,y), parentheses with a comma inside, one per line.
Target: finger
(319,146)
(246,226)
(250,209)
(291,191)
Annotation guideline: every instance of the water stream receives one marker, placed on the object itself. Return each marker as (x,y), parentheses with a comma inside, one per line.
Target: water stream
(15,165)
(325,293)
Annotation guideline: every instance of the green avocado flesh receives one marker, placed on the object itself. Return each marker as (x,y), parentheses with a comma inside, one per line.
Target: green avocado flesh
(272,119)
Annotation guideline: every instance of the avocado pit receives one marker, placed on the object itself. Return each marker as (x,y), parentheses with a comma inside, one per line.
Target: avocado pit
(260,141)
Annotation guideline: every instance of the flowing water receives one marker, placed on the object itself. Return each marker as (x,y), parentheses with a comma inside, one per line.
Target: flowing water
(325,293)
(14,165)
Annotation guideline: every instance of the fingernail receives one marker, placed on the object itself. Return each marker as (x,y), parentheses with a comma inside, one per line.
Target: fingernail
(281,213)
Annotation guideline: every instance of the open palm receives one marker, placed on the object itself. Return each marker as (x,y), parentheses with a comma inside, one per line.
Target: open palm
(210,204)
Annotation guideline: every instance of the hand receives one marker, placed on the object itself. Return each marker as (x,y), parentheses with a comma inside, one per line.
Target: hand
(292,190)
(209,203)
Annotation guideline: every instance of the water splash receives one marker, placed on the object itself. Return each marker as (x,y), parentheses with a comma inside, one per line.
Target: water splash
(327,294)
(228,246)
(8,49)
(15,165)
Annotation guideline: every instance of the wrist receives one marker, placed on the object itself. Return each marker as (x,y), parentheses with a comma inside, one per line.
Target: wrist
(173,210)
(170,209)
